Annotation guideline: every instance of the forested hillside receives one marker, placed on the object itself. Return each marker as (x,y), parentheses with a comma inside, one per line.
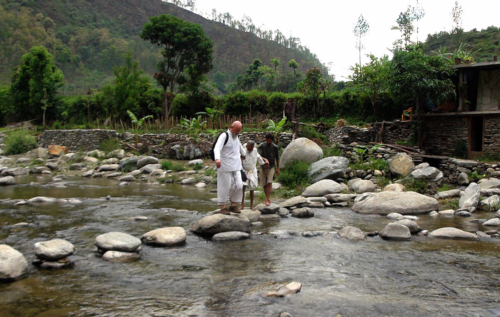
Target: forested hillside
(486,43)
(88,38)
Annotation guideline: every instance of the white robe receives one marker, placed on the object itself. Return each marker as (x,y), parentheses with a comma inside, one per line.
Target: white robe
(250,168)
(229,154)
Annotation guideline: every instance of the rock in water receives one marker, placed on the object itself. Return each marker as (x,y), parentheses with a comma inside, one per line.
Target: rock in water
(53,250)
(146,161)
(395,216)
(333,168)
(289,289)
(188,181)
(13,265)
(303,150)
(41,199)
(267,210)
(252,215)
(364,186)
(452,233)
(492,222)
(322,188)
(394,231)
(230,236)
(401,165)
(384,203)
(218,223)
(352,233)
(117,241)
(303,213)
(120,257)
(167,237)
(294,201)
(412,225)
(6,181)
(470,198)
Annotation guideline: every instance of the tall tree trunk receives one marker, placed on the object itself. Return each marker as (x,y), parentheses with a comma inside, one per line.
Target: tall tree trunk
(44,116)
(166,109)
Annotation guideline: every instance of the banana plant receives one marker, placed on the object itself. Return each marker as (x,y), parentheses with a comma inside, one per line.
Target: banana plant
(137,124)
(276,128)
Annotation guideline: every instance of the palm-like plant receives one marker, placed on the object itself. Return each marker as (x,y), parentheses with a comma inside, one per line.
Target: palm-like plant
(276,128)
(137,124)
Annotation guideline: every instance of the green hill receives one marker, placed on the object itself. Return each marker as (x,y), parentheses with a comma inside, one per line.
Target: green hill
(486,41)
(89,37)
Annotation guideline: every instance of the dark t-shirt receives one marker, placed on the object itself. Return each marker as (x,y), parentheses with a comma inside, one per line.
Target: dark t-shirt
(288,107)
(271,153)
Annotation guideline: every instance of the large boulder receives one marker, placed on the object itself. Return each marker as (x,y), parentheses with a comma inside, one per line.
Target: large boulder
(165,237)
(9,180)
(384,203)
(324,187)
(333,167)
(217,223)
(146,161)
(489,183)
(470,198)
(117,241)
(394,231)
(13,265)
(129,162)
(363,186)
(301,149)
(352,233)
(57,150)
(53,250)
(401,165)
(452,233)
(427,173)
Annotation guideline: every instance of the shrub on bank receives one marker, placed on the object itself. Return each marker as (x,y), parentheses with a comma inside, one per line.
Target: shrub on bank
(295,174)
(19,142)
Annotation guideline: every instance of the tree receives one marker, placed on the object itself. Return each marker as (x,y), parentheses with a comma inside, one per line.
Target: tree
(137,124)
(360,30)
(418,14)
(405,25)
(219,80)
(456,15)
(35,83)
(187,53)
(294,65)
(313,86)
(276,63)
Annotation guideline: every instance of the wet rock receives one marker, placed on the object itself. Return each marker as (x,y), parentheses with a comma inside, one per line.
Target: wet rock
(53,250)
(303,150)
(194,162)
(394,231)
(13,265)
(188,181)
(16,171)
(352,233)
(41,199)
(230,236)
(108,168)
(448,194)
(283,234)
(120,257)
(166,237)
(294,201)
(283,212)
(463,179)
(463,213)
(21,203)
(218,223)
(270,217)
(57,150)
(147,161)
(482,235)
(127,178)
(449,212)
(434,213)
(401,165)
(395,188)
(257,224)
(395,216)
(470,198)
(492,222)
(303,213)
(324,187)
(114,175)
(8,180)
(88,173)
(200,185)
(384,203)
(267,210)
(364,186)
(74,201)
(117,241)
(413,218)
(339,198)
(289,289)
(39,170)
(412,225)
(148,169)
(452,233)
(53,265)
(252,215)
(333,167)
(138,218)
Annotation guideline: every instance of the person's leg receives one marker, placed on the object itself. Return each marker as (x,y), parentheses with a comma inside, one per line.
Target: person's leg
(243,198)
(267,191)
(269,186)
(235,191)
(251,199)
(223,186)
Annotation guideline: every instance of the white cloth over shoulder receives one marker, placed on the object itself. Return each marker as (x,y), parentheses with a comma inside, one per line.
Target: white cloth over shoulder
(229,154)
(250,167)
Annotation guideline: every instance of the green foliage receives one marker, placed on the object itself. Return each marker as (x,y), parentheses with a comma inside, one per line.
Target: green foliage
(19,142)
(444,187)
(109,145)
(475,177)
(137,123)
(415,185)
(382,182)
(372,164)
(294,175)
(236,104)
(192,127)
(172,166)
(312,134)
(451,204)
(197,166)
(460,149)
(332,151)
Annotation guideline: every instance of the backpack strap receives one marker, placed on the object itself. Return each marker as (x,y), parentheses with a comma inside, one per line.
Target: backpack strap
(227,138)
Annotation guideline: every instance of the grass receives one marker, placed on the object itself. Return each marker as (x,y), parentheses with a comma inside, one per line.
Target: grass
(415,185)
(19,142)
(332,151)
(197,166)
(295,175)
(312,134)
(475,177)
(382,181)
(373,164)
(490,158)
(451,203)
(172,166)
(109,145)
(211,172)
(445,187)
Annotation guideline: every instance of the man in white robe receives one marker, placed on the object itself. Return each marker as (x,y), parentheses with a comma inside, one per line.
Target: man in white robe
(228,157)
(252,157)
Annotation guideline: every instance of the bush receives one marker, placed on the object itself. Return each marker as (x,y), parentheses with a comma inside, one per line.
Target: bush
(414,185)
(312,134)
(109,145)
(236,104)
(257,101)
(332,151)
(197,166)
(295,174)
(276,102)
(19,142)
(460,149)
(171,166)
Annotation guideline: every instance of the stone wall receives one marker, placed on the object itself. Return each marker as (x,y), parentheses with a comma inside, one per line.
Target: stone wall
(492,134)
(396,131)
(170,145)
(443,133)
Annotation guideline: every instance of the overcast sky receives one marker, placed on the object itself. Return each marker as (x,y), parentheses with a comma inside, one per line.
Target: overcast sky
(325,26)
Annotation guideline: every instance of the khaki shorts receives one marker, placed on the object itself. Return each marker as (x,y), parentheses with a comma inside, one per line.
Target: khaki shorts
(266,176)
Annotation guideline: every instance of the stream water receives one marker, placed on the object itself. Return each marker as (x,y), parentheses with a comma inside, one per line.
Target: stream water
(422,277)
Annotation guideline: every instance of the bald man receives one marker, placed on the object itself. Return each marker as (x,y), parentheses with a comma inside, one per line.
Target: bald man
(228,157)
